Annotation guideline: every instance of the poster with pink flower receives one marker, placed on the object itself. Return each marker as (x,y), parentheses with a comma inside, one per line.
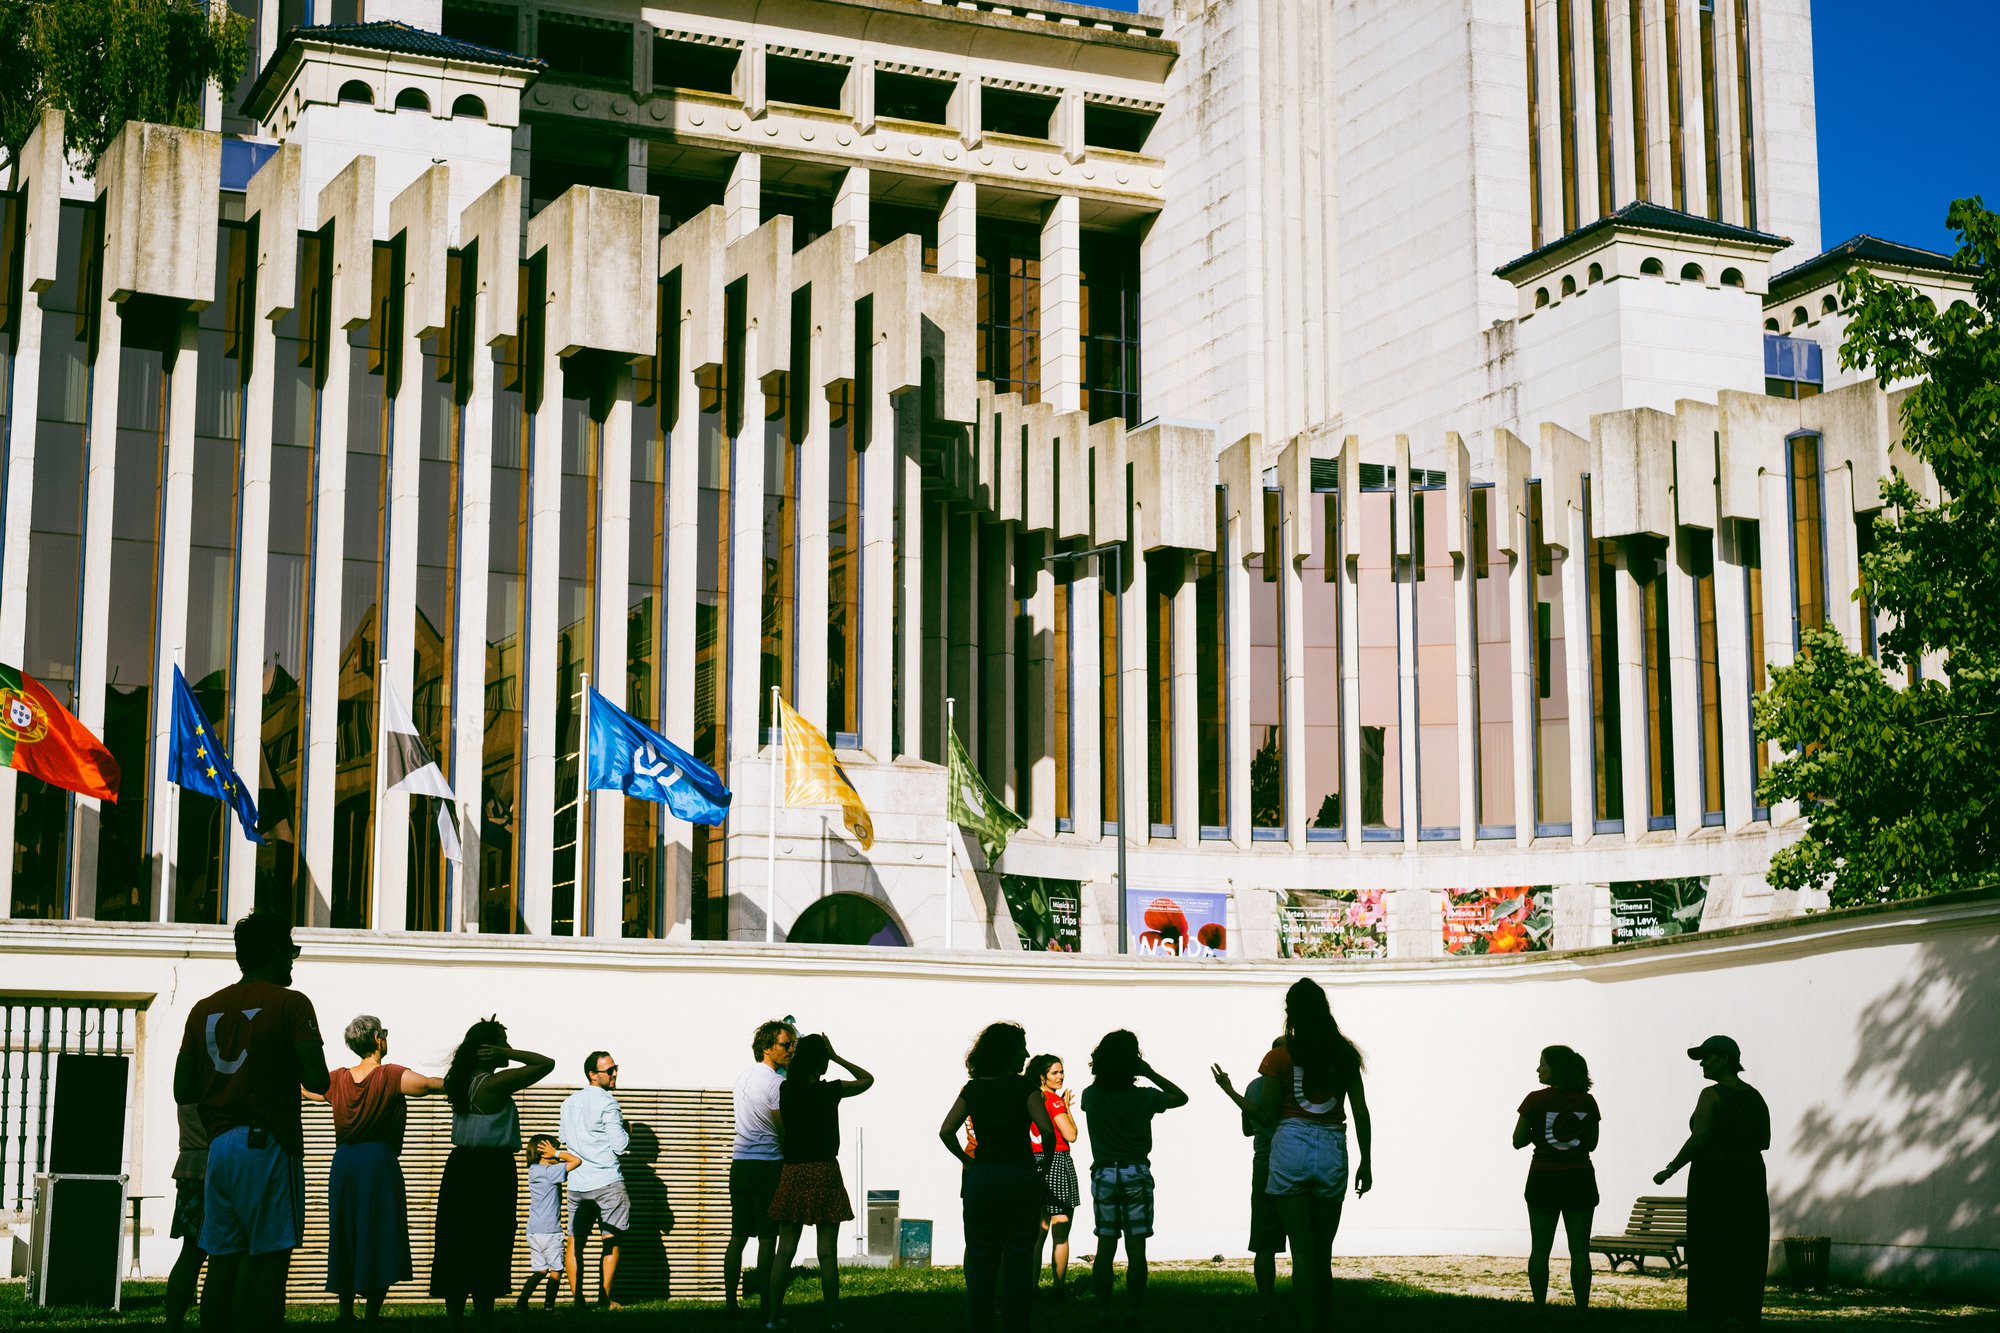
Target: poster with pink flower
(1343,923)
(1178,924)
(1515,919)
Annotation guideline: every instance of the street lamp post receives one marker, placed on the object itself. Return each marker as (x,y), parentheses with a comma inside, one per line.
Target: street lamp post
(1116,552)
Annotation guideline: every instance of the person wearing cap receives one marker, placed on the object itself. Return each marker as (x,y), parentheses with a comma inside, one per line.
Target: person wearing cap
(1729,1205)
(245,1053)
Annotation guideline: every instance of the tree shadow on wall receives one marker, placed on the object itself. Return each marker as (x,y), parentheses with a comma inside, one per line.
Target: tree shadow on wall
(1908,1153)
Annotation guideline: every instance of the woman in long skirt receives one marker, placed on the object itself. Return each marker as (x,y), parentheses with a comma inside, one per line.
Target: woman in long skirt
(480,1191)
(1729,1206)
(368,1219)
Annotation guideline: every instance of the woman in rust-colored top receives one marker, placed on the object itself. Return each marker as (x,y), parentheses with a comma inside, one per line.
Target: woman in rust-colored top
(368,1224)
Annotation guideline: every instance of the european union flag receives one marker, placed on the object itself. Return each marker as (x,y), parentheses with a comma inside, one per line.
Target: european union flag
(629,756)
(196,763)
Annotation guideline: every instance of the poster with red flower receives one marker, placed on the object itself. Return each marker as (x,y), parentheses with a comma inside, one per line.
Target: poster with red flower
(1178,925)
(1343,923)
(1516,919)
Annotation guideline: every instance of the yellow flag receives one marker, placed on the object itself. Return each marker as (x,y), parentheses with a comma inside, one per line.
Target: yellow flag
(814,777)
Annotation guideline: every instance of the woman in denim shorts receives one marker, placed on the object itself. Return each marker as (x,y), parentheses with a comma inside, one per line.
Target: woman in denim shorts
(1310,1081)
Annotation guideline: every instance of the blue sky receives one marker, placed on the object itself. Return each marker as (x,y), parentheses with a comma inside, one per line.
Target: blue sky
(1900,134)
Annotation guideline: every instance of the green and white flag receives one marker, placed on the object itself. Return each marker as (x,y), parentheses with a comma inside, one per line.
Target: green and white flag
(971,804)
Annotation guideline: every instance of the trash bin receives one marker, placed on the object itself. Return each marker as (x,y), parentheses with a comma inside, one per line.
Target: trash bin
(1807,1259)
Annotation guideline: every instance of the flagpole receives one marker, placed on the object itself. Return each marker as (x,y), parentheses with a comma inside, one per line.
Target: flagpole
(583,867)
(771,839)
(950,706)
(170,860)
(381,795)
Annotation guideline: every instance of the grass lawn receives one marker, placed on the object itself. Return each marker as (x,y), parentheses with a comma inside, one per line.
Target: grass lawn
(1409,1295)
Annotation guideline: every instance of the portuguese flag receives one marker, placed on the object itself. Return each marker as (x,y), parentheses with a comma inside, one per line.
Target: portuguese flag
(40,736)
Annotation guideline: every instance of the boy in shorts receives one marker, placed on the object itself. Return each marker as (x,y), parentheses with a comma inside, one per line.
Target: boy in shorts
(1121,1114)
(548,1167)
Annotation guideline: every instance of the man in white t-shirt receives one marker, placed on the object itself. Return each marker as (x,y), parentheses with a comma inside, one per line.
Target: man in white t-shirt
(758,1157)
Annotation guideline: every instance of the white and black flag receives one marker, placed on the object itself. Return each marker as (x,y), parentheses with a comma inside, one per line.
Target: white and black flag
(408,767)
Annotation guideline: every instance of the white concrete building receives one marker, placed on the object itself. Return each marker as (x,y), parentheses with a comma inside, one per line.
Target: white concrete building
(1387,440)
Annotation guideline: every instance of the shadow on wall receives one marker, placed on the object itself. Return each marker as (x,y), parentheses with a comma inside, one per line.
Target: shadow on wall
(645,1271)
(1913,1133)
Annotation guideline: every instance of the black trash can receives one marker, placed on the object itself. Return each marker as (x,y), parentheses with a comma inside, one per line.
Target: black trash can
(1807,1259)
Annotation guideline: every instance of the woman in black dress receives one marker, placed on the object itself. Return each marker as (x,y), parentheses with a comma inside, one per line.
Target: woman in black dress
(1729,1207)
(1001,1190)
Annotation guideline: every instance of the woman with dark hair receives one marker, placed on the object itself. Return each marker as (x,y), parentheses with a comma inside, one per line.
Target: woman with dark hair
(1312,1080)
(1058,1168)
(367,1212)
(1561,1119)
(1000,1189)
(477,1198)
(810,1189)
(1729,1203)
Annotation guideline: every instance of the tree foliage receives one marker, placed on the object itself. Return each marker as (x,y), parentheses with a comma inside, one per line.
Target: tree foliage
(104,62)
(1902,782)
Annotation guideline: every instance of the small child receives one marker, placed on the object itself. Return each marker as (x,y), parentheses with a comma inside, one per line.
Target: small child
(548,1167)
(1121,1147)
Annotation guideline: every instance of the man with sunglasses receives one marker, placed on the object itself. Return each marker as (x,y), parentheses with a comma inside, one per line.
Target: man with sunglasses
(245,1053)
(757,1159)
(594,1129)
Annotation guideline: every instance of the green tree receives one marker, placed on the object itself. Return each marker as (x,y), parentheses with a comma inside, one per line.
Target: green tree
(104,62)
(1902,783)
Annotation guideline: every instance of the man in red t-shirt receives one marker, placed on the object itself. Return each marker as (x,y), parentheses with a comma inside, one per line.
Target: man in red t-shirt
(246,1052)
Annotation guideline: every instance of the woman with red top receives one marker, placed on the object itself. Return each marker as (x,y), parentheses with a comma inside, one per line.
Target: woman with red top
(1561,1119)
(368,1223)
(1311,1080)
(1058,1168)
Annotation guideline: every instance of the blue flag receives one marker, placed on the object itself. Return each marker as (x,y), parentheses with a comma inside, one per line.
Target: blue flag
(196,762)
(629,756)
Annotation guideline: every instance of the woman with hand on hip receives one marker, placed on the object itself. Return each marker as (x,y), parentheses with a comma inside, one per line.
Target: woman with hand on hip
(1060,1194)
(367,1212)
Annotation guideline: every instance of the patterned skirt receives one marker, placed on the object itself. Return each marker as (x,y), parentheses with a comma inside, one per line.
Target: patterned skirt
(811,1194)
(1059,1191)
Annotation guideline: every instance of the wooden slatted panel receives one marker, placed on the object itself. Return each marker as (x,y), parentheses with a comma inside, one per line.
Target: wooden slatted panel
(677,1173)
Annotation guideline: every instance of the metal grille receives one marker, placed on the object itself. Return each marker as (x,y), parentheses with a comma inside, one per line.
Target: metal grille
(677,1172)
(34,1030)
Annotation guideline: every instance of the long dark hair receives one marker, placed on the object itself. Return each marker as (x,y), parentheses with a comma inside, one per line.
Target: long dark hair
(1315,1042)
(1000,1051)
(1039,1067)
(809,1058)
(465,1063)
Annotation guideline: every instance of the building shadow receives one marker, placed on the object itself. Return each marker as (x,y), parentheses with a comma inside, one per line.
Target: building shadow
(1905,1158)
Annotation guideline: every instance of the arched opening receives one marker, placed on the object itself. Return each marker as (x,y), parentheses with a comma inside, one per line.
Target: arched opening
(354,90)
(469,106)
(1732,277)
(413,99)
(1541,297)
(1653,268)
(1771,326)
(1798,316)
(1829,304)
(1569,285)
(1690,273)
(847,918)
(1596,273)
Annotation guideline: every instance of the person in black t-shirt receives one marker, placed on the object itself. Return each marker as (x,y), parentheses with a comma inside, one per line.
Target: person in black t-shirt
(1001,1190)
(1561,1120)
(810,1189)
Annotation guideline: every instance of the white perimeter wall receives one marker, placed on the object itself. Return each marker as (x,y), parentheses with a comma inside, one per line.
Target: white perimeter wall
(1870,1033)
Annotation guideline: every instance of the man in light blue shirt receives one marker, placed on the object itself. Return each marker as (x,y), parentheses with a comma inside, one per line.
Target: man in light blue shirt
(594,1129)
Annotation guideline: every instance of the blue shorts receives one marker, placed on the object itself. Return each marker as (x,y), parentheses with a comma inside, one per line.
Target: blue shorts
(545,1251)
(255,1198)
(1308,1157)
(1122,1198)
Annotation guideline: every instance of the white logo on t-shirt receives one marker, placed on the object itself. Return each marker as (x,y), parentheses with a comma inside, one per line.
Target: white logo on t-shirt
(223,1066)
(1549,1130)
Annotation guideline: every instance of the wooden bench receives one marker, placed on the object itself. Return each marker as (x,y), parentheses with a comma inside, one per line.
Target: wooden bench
(1658,1229)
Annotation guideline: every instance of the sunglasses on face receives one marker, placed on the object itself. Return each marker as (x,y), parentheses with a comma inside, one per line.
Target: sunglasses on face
(610,1069)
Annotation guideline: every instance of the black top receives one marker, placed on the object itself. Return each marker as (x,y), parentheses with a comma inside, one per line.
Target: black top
(1000,1120)
(1742,1125)
(812,1120)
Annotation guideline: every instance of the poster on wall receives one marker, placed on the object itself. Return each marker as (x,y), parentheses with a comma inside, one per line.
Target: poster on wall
(1179,924)
(1345,923)
(1047,913)
(1515,919)
(1655,909)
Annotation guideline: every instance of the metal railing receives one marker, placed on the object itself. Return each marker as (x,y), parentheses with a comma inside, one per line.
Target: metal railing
(34,1030)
